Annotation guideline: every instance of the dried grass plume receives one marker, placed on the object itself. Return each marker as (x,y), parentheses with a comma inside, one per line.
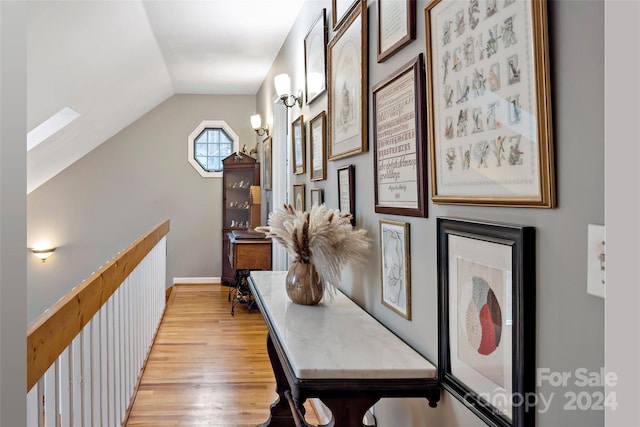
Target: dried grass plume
(321,236)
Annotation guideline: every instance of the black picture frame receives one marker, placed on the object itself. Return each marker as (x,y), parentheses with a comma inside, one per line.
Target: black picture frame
(490,255)
(347,191)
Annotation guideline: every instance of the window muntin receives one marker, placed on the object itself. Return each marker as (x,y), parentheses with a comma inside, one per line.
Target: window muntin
(210,143)
(211,147)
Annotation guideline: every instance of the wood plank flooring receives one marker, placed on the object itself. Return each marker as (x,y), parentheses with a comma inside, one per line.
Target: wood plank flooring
(206,368)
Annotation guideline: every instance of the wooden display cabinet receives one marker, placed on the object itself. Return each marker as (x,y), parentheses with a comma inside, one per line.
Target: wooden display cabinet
(240,172)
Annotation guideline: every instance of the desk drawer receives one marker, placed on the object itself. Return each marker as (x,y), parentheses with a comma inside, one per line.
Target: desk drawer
(251,256)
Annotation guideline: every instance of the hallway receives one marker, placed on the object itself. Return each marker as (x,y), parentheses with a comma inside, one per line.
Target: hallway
(206,368)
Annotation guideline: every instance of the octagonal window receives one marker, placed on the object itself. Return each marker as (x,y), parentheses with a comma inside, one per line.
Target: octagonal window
(210,143)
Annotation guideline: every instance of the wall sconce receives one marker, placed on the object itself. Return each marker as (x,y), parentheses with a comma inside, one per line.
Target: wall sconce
(256,124)
(43,254)
(282,83)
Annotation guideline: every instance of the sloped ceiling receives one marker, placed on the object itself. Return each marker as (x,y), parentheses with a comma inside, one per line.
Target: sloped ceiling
(112,61)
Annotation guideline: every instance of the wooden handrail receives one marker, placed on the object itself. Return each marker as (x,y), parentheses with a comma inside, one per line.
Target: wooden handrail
(53,331)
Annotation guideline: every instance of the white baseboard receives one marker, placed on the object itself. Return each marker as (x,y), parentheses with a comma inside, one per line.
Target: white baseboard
(195,280)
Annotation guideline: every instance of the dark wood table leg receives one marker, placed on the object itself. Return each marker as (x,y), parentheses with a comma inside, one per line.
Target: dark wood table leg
(349,412)
(280,413)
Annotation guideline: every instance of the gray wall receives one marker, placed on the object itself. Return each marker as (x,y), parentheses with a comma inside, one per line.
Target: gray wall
(13,207)
(570,326)
(120,190)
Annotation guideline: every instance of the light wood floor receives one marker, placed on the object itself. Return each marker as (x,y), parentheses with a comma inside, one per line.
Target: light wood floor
(206,367)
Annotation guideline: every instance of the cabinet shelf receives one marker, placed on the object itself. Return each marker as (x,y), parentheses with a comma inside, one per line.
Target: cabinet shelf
(236,169)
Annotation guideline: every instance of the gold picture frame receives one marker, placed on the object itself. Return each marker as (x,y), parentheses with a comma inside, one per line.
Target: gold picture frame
(347,93)
(489,103)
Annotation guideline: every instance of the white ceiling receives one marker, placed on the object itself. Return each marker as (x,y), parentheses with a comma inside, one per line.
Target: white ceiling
(112,61)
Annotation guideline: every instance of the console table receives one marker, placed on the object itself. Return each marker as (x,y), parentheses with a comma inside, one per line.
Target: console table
(336,352)
(248,250)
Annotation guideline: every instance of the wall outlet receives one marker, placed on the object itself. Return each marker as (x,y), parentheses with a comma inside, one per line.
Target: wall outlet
(596,260)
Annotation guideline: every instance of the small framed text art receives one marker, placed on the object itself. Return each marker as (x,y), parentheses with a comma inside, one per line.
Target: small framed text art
(399,136)
(486,301)
(396,26)
(298,146)
(340,9)
(489,101)
(315,59)
(346,191)
(298,197)
(395,261)
(347,86)
(317,197)
(266,163)
(317,142)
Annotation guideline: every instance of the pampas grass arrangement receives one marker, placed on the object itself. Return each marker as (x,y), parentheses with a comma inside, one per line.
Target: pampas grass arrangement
(322,236)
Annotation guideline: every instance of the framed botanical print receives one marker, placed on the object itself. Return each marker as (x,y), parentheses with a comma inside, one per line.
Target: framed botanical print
(315,59)
(347,191)
(317,198)
(266,163)
(486,304)
(347,86)
(489,103)
(298,146)
(318,144)
(298,197)
(399,139)
(396,26)
(395,262)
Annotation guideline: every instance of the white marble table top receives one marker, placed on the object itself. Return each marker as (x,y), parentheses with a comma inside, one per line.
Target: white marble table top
(335,339)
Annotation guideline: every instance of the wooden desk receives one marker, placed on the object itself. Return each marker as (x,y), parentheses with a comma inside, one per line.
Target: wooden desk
(336,352)
(247,251)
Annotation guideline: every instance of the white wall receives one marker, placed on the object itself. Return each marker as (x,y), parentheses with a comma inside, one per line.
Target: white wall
(570,323)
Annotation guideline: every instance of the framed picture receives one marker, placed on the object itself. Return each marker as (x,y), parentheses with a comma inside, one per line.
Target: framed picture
(317,142)
(298,197)
(298,146)
(340,9)
(346,191)
(347,88)
(396,26)
(395,262)
(315,59)
(486,301)
(317,197)
(489,105)
(266,163)
(399,135)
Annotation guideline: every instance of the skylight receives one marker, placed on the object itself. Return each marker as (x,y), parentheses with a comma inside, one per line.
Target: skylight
(50,126)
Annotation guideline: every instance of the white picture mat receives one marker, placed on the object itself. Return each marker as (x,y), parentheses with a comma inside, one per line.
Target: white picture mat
(522,180)
(394,266)
(346,85)
(497,257)
(396,143)
(393,22)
